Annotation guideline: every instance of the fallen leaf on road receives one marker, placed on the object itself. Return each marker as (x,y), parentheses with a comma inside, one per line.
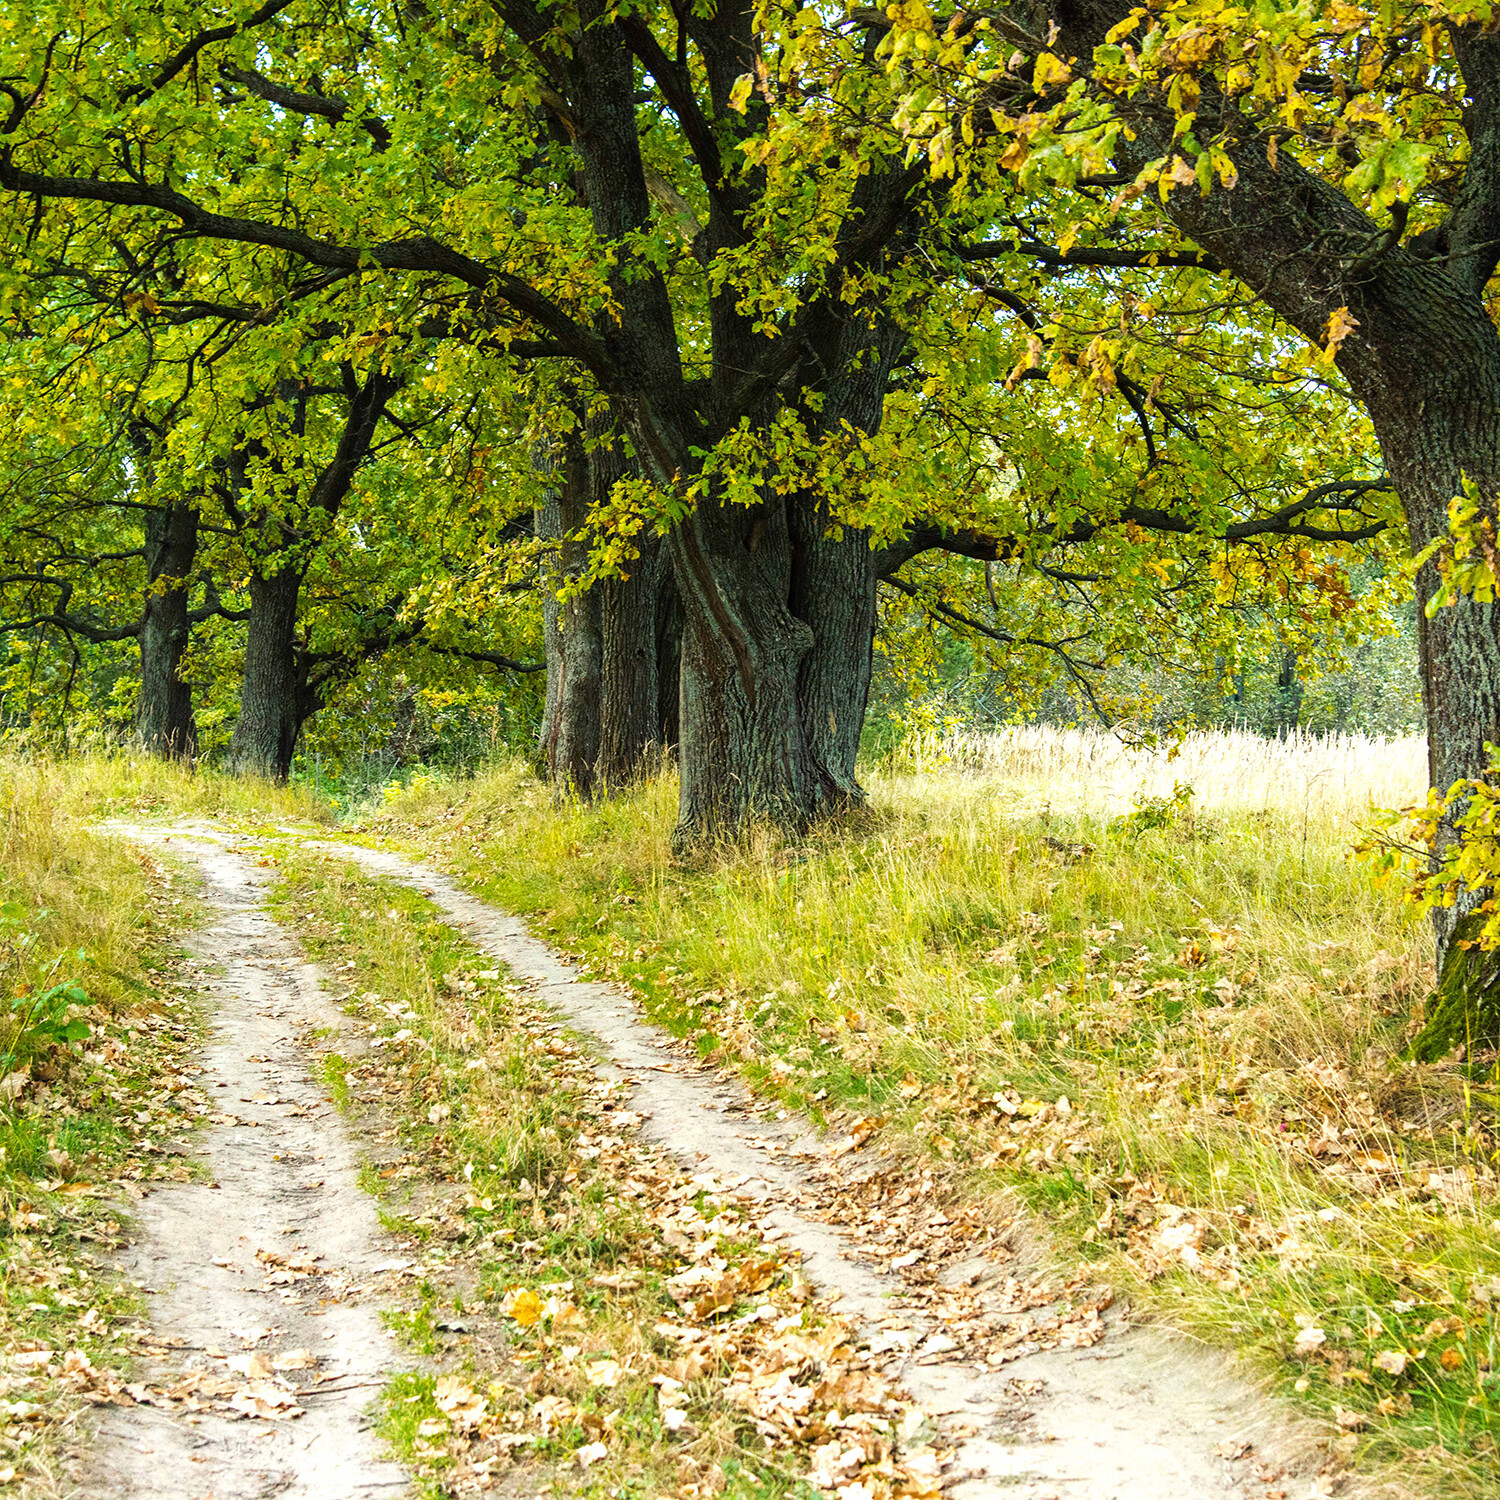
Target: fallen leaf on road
(861,1131)
(522,1305)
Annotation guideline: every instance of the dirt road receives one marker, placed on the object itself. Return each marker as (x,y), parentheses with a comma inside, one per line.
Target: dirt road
(265,1257)
(1127,1414)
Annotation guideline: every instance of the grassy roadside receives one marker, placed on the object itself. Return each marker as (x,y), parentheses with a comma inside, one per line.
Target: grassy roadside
(1171,1028)
(651,1340)
(95,1032)
(98,1092)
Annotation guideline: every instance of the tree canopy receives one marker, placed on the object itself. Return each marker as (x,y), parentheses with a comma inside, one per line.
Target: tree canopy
(765,314)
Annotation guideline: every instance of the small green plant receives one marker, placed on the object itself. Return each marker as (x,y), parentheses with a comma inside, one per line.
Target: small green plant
(40,1011)
(1152,813)
(336,1076)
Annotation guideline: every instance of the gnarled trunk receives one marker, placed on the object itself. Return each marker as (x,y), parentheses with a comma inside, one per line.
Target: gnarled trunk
(629,694)
(667,608)
(833,590)
(744,754)
(270,721)
(164,724)
(834,571)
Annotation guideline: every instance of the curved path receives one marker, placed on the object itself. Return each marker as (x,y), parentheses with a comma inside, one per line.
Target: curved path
(1142,1416)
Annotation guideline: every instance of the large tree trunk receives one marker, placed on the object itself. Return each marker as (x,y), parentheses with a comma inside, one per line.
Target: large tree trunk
(572,747)
(164,723)
(265,736)
(629,732)
(630,729)
(604,720)
(833,590)
(667,607)
(744,754)
(1438,421)
(834,570)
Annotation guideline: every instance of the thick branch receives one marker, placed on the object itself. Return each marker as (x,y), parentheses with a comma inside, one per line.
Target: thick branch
(421,253)
(333,110)
(493,658)
(1049,255)
(1336,496)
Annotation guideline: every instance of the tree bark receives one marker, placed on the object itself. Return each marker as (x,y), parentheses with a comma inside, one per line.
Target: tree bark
(1464,1012)
(630,727)
(164,723)
(833,591)
(604,720)
(667,607)
(576,722)
(834,571)
(745,756)
(548,524)
(270,721)
(1438,421)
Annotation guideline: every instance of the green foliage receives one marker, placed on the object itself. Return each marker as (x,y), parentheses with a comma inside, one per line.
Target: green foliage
(1154,813)
(1448,850)
(1465,558)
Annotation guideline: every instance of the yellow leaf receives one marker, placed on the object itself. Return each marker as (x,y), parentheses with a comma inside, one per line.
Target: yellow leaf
(1339,326)
(522,1305)
(1050,69)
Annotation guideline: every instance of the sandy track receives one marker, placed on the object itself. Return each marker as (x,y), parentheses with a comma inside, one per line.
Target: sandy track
(285,1181)
(1143,1416)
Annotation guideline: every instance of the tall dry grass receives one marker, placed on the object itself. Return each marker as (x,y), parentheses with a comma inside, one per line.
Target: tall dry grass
(1089,772)
(77,898)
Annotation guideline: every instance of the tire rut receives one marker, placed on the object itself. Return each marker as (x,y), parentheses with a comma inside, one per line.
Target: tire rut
(283,1182)
(1146,1416)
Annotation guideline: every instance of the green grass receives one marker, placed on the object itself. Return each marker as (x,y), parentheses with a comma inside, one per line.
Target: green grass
(335,1071)
(1220,1000)
(407,1401)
